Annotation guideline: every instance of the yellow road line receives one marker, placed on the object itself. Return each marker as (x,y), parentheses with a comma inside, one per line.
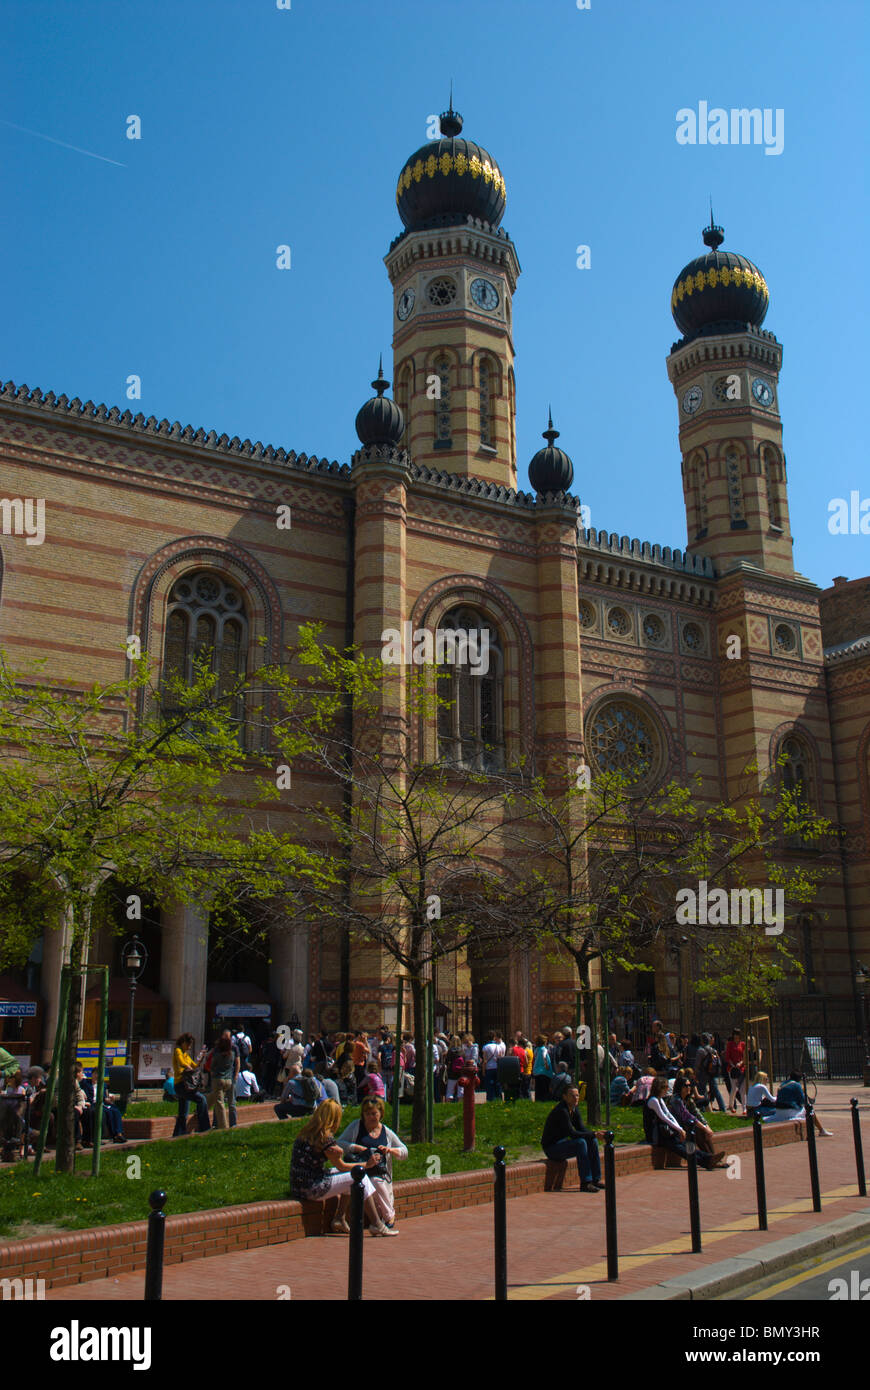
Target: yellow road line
(809,1273)
(681,1246)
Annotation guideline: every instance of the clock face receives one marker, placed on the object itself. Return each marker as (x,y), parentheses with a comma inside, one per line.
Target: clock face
(762,391)
(405,305)
(692,400)
(484,294)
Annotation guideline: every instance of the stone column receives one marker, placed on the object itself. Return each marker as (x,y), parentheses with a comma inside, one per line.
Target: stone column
(183,969)
(288,975)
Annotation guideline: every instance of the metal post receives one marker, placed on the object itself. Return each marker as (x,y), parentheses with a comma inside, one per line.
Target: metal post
(859,1149)
(760,1189)
(397,1048)
(469,1114)
(355,1248)
(500,1223)
(605,1009)
(430,1052)
(99,1089)
(694,1205)
(814,1158)
(59,1049)
(154,1252)
(610,1206)
(577,1017)
(129,1057)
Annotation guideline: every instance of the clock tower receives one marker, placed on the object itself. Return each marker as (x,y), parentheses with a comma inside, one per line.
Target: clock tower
(454,271)
(725,374)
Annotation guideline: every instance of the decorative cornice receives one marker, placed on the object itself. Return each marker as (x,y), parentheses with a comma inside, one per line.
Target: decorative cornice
(645,568)
(752,344)
(853,650)
(125,422)
(473,238)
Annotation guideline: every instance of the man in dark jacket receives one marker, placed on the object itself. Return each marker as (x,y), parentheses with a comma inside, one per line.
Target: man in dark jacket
(565,1136)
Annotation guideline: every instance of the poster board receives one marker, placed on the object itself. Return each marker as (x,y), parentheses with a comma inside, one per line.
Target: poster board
(814,1048)
(88,1053)
(155,1059)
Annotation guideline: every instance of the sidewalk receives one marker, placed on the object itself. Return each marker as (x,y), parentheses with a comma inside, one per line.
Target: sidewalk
(556,1241)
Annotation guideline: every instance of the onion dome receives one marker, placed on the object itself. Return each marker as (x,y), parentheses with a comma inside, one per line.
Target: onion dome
(551,470)
(720,292)
(380,421)
(449,180)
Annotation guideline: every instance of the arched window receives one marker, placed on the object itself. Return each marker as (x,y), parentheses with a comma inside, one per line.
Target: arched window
(486,396)
(735,487)
(403,398)
(770,468)
(512,413)
(443,438)
(471,721)
(205,621)
(796,768)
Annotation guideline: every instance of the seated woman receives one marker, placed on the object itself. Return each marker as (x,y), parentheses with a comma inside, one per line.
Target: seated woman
(372,1083)
(643,1086)
(790,1104)
(367,1135)
(696,1095)
(346,1081)
(660,1128)
(315,1146)
(684,1110)
(759,1098)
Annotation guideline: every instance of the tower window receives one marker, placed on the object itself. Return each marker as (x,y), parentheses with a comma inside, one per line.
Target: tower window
(735,487)
(486,383)
(441,291)
(443,438)
(770,481)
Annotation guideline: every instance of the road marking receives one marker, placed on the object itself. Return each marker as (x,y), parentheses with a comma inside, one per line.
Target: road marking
(841,1259)
(545,1288)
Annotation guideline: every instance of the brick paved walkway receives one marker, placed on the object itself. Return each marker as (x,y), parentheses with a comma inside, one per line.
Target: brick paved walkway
(555,1240)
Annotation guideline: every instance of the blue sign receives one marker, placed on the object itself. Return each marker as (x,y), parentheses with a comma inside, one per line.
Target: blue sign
(10,1010)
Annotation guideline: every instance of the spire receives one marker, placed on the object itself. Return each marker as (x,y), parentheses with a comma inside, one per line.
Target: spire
(549,433)
(380,383)
(451,121)
(713,236)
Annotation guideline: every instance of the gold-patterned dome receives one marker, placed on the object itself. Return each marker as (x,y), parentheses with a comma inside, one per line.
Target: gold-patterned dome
(449,180)
(720,292)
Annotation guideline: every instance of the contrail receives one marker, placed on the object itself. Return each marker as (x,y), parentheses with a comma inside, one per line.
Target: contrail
(78,149)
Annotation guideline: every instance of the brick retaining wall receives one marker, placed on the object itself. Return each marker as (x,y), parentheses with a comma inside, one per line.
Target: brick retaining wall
(109,1250)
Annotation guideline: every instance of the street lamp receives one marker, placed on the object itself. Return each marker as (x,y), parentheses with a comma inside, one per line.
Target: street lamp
(862,980)
(134,958)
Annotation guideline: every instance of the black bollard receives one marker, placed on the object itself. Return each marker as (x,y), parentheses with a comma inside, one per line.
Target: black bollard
(694,1204)
(500,1223)
(814,1158)
(355,1249)
(760,1188)
(154,1250)
(859,1148)
(610,1205)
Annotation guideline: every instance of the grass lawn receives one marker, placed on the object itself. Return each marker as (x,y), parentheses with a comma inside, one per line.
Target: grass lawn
(251,1164)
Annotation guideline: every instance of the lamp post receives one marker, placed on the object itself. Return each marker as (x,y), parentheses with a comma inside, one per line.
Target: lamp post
(134,958)
(862,980)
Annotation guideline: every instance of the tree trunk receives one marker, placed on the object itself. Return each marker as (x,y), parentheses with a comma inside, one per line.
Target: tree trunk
(418,1110)
(66,1142)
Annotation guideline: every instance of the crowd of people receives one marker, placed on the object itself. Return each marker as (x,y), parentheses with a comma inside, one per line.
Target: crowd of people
(22,1104)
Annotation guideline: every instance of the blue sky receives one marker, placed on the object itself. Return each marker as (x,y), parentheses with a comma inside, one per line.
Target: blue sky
(263,127)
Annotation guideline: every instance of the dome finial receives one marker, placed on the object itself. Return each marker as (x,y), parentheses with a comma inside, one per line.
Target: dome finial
(450,120)
(713,236)
(549,433)
(380,383)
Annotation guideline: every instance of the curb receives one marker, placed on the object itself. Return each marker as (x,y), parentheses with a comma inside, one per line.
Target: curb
(756,1264)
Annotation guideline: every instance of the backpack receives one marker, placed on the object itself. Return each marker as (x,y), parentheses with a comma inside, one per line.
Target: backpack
(457,1065)
(241,1043)
(309,1090)
(714,1062)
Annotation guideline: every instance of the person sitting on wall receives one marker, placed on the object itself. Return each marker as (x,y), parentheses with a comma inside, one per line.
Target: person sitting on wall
(112,1118)
(247,1085)
(643,1086)
(301,1095)
(621,1090)
(315,1146)
(684,1110)
(790,1103)
(372,1083)
(662,1130)
(565,1136)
